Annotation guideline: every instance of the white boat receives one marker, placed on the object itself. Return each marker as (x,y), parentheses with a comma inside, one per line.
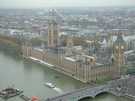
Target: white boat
(50,85)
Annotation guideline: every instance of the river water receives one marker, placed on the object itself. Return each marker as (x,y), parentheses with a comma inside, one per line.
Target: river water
(31,77)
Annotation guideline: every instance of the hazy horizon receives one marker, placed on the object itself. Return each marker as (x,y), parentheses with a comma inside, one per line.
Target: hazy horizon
(63,3)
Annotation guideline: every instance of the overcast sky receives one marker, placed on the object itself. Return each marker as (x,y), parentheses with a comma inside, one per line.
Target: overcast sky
(61,3)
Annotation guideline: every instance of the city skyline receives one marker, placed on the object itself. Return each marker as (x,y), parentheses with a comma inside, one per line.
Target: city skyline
(63,50)
(63,3)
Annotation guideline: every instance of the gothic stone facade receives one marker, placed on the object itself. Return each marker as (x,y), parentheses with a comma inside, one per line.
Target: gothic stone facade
(80,71)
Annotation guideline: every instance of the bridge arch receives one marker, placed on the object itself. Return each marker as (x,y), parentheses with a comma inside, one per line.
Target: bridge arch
(93,96)
(87,97)
(101,93)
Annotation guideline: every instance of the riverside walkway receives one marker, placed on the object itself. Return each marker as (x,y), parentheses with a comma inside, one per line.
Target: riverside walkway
(120,87)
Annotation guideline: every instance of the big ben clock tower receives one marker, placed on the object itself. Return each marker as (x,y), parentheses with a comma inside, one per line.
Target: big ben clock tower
(119,48)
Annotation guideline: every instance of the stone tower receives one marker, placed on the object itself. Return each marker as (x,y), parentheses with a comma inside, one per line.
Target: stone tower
(53,30)
(119,48)
(69,46)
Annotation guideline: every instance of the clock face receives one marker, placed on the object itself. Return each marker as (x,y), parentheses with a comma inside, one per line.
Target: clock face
(122,47)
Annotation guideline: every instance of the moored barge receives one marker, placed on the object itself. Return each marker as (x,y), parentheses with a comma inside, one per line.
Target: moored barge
(9,92)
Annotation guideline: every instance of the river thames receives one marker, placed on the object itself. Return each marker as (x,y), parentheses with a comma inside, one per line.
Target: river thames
(31,78)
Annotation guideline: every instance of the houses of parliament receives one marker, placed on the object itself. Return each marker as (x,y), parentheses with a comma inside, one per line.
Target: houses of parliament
(84,59)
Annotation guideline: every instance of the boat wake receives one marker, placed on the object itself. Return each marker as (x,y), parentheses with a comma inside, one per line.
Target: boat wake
(58,90)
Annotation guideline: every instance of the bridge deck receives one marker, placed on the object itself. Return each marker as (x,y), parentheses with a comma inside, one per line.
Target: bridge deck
(120,87)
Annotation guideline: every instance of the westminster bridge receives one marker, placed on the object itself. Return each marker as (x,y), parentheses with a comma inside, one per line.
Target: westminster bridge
(121,87)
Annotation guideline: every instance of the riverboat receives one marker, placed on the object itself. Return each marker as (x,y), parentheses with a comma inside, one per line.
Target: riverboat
(9,92)
(50,85)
